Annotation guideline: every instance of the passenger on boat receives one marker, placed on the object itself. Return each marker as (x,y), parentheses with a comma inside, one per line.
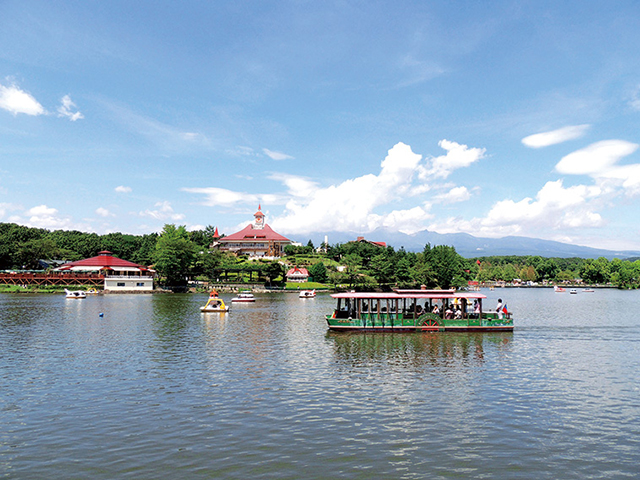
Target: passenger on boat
(448,313)
(458,314)
(499,308)
(418,309)
(435,310)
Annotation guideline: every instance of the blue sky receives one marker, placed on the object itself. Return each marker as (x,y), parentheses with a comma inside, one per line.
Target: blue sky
(505,118)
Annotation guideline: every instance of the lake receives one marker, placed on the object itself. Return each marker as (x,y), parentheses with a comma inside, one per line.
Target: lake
(155,389)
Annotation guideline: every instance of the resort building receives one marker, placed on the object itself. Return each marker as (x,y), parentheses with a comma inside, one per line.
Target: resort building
(257,240)
(119,275)
(377,244)
(297,275)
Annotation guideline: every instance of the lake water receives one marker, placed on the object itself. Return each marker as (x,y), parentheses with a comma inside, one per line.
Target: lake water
(155,389)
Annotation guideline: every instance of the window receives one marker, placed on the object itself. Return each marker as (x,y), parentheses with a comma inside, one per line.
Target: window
(121,284)
(140,284)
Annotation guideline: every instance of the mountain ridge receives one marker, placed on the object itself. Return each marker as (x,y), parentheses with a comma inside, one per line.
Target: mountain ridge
(470,246)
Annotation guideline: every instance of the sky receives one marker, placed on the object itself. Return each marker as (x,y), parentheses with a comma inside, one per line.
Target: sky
(493,119)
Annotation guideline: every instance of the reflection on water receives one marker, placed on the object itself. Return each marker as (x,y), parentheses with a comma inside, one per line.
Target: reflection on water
(452,349)
(154,388)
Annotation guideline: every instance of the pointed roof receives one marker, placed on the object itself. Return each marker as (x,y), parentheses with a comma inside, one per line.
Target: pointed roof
(104,259)
(251,233)
(297,270)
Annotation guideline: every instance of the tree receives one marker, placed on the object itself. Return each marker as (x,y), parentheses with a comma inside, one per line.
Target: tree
(274,270)
(446,264)
(174,254)
(319,272)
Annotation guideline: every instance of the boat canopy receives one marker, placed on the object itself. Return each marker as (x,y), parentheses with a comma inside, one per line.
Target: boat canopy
(415,294)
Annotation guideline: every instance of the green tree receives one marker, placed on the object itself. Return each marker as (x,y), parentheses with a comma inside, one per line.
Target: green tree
(319,272)
(174,254)
(446,264)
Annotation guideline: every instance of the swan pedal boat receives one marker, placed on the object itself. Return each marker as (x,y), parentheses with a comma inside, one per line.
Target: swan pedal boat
(307,294)
(75,294)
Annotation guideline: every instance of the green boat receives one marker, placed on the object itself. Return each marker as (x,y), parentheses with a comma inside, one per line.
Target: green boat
(416,311)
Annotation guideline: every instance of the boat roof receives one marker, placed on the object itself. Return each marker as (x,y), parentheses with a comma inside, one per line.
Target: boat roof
(399,294)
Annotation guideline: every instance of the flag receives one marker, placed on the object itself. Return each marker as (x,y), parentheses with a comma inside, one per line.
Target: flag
(504,309)
(478,262)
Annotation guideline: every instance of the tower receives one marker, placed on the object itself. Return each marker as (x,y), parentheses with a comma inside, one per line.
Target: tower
(259,219)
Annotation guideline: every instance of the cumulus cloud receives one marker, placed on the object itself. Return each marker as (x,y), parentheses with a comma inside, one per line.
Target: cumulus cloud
(554,137)
(164,212)
(276,155)
(554,207)
(455,195)
(457,156)
(296,186)
(103,212)
(17,101)
(43,216)
(350,205)
(123,189)
(596,159)
(66,109)
(353,204)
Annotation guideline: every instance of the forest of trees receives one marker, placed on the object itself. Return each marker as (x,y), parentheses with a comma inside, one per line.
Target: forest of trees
(179,255)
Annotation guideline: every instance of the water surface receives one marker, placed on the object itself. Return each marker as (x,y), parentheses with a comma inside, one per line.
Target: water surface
(156,389)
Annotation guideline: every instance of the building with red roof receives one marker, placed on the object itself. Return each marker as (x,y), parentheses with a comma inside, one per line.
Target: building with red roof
(377,244)
(257,240)
(296,274)
(118,274)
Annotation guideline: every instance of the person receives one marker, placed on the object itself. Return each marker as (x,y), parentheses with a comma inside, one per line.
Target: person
(418,309)
(448,313)
(435,310)
(458,314)
(499,308)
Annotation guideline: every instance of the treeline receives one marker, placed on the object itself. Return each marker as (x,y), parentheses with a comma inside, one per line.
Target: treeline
(600,271)
(179,255)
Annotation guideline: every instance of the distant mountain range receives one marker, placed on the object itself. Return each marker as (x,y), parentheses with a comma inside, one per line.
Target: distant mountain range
(469,246)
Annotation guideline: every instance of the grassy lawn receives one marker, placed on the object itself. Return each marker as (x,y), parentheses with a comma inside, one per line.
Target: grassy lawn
(306,286)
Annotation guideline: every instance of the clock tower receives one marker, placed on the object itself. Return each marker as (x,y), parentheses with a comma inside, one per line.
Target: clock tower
(259,216)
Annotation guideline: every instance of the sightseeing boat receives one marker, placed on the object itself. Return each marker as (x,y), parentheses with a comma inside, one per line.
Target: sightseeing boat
(307,294)
(416,311)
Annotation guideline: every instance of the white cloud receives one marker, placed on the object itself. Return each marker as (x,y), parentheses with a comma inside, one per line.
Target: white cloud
(103,212)
(223,197)
(350,206)
(297,186)
(276,155)
(554,207)
(634,101)
(458,156)
(123,189)
(455,195)
(66,107)
(596,159)
(7,207)
(17,101)
(241,151)
(47,217)
(165,212)
(554,137)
